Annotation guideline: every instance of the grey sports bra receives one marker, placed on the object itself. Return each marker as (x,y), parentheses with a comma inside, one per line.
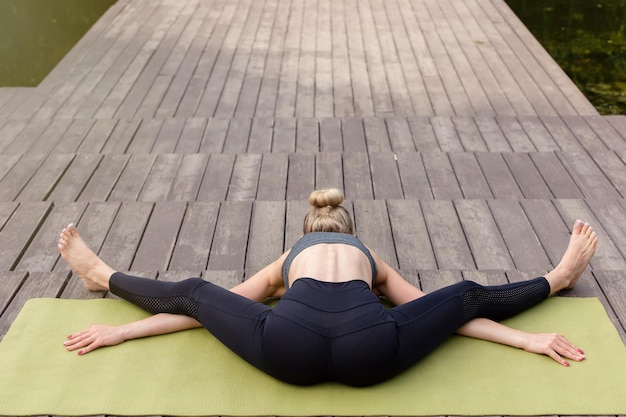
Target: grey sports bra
(316,238)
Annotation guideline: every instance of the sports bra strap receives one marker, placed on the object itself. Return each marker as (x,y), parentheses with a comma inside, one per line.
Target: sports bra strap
(316,238)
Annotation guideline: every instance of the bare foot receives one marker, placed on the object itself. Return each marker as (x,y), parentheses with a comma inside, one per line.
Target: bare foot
(581,248)
(84,262)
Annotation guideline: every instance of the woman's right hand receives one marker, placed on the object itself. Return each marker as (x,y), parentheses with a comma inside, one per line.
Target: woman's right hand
(95,336)
(554,345)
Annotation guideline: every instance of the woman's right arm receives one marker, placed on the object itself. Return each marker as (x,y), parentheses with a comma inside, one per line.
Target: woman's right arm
(99,335)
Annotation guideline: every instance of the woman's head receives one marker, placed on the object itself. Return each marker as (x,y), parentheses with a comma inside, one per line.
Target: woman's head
(327,214)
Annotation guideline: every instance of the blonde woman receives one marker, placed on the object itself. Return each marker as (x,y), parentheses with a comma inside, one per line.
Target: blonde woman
(329,324)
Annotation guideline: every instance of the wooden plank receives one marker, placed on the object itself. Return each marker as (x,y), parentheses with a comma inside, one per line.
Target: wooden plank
(552,231)
(471,179)
(376,135)
(374,229)
(486,278)
(284,139)
(45,179)
(300,176)
(195,237)
(410,235)
(104,178)
(214,136)
(538,134)
(424,135)
(133,178)
(340,59)
(613,167)
(7,162)
(435,280)
(446,235)
(528,178)
(37,285)
(323,93)
(254,73)
(9,132)
(523,244)
(385,176)
(619,124)
(468,134)
(154,97)
(353,135)
(296,210)
(240,62)
(606,132)
(159,237)
(515,134)
(268,93)
(26,137)
(499,177)
(146,135)
(51,136)
(330,135)
(74,136)
(400,136)
(261,135)
(121,136)
(167,139)
(561,134)
(188,178)
(42,254)
(357,176)
(191,136)
(273,177)
(359,70)
(7,208)
(328,170)
(221,65)
(589,178)
(484,238)
(98,135)
(555,175)
(231,236)
(19,231)
(238,135)
(583,132)
(217,176)
(244,182)
(492,134)
(19,175)
(415,184)
(124,234)
(443,181)
(307,135)
(267,234)
(612,216)
(614,287)
(11,283)
(161,177)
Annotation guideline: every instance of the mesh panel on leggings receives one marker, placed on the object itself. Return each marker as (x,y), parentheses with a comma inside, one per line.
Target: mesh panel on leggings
(173,305)
(476,299)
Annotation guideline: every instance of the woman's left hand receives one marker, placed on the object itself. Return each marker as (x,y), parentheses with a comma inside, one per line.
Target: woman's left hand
(95,336)
(554,345)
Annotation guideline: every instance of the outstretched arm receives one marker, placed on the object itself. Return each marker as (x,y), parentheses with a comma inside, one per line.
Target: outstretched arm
(551,344)
(99,335)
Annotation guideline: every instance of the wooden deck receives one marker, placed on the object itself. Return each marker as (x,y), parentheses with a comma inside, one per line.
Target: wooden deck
(184,136)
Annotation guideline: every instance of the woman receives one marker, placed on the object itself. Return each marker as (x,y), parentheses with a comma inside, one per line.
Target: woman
(329,324)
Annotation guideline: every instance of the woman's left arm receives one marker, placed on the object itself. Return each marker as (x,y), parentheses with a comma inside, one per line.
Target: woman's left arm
(551,344)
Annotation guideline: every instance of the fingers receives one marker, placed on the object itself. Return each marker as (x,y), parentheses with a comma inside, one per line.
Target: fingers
(85,339)
(561,347)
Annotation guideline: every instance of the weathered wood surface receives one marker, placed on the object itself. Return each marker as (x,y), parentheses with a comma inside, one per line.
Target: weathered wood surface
(184,136)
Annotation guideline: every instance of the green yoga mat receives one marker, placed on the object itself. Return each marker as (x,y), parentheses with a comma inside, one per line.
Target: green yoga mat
(190,373)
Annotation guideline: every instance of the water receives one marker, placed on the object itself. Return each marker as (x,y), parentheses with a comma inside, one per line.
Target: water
(587,39)
(36,34)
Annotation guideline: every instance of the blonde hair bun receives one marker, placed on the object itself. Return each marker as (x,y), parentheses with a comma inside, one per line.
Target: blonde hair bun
(326,197)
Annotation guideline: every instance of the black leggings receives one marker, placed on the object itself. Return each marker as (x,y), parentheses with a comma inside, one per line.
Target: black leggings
(322,331)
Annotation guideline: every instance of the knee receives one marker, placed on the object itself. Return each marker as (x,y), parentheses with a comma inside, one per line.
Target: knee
(189,286)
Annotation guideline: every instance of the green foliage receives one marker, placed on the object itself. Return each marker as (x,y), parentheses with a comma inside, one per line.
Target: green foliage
(587,39)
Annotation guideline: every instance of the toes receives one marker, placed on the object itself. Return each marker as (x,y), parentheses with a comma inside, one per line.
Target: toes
(578,226)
